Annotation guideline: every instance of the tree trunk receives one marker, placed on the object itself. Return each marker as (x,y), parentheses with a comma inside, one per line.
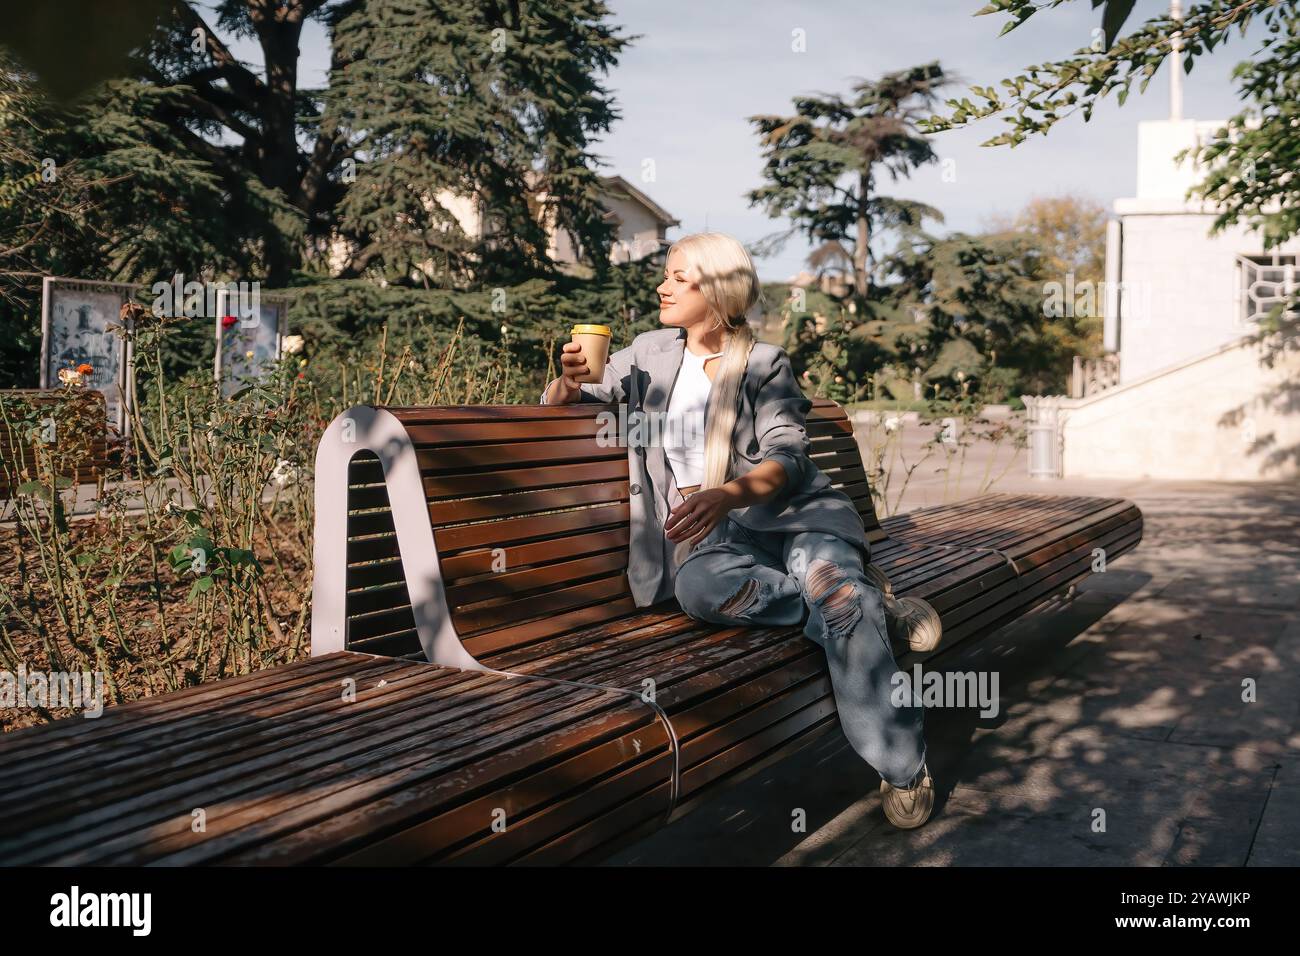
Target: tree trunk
(862,245)
(278,30)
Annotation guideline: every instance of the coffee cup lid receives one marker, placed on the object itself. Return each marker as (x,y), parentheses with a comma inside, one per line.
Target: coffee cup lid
(590,330)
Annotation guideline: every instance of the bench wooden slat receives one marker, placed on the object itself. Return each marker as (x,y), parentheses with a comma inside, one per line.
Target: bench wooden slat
(204,763)
(573,729)
(605,808)
(378,796)
(61,736)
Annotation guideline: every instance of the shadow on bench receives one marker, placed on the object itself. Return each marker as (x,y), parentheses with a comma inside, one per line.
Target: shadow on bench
(483,688)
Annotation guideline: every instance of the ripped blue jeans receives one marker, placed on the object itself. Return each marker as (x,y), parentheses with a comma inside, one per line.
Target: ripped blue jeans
(732,578)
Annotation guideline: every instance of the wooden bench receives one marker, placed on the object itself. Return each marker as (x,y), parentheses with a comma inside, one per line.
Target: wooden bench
(83,460)
(284,767)
(531,489)
(473,559)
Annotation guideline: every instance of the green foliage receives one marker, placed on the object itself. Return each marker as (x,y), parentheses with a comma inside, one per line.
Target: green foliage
(968,304)
(957,359)
(529,321)
(196,163)
(823,164)
(988,291)
(1068,235)
(1046,93)
(218,169)
(102,189)
(496,104)
(828,350)
(1249,164)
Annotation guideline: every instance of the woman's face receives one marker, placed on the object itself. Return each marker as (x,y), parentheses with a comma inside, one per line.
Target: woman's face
(681,303)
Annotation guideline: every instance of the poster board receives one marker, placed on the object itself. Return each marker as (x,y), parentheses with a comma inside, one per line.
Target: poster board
(247,344)
(78,317)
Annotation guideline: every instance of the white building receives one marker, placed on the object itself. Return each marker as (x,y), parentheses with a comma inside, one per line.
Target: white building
(1196,396)
(1181,290)
(640,225)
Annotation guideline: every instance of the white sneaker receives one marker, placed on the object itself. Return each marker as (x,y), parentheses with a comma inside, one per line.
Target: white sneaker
(910,808)
(911,621)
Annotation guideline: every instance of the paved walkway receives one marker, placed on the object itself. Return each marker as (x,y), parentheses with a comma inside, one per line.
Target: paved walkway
(1126,702)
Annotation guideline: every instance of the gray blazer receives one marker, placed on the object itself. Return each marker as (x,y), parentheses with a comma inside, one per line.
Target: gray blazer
(770,417)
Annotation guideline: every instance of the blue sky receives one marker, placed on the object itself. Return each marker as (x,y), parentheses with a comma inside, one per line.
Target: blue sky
(699,69)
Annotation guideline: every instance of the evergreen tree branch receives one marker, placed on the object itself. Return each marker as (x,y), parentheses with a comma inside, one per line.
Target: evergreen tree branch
(243,81)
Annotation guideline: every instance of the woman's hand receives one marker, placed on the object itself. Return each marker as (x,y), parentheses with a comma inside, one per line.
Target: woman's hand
(566,389)
(699,514)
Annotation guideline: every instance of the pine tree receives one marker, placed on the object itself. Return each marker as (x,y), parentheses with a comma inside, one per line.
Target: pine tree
(825,162)
(495,100)
(192,161)
(494,104)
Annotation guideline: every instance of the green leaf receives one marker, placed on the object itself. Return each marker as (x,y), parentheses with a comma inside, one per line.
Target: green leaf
(201,541)
(237,556)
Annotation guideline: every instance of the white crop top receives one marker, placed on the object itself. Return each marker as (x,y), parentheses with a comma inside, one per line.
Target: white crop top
(684,423)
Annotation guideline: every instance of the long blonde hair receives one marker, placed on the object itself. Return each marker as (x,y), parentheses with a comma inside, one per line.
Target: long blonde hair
(725,275)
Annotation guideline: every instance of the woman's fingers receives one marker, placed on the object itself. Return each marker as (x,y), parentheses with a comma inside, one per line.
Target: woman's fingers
(573,363)
(684,530)
(687,520)
(683,510)
(703,533)
(678,521)
(675,514)
(678,527)
(695,517)
(706,524)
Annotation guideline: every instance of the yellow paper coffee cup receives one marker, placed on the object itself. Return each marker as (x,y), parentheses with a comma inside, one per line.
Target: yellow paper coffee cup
(594,342)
